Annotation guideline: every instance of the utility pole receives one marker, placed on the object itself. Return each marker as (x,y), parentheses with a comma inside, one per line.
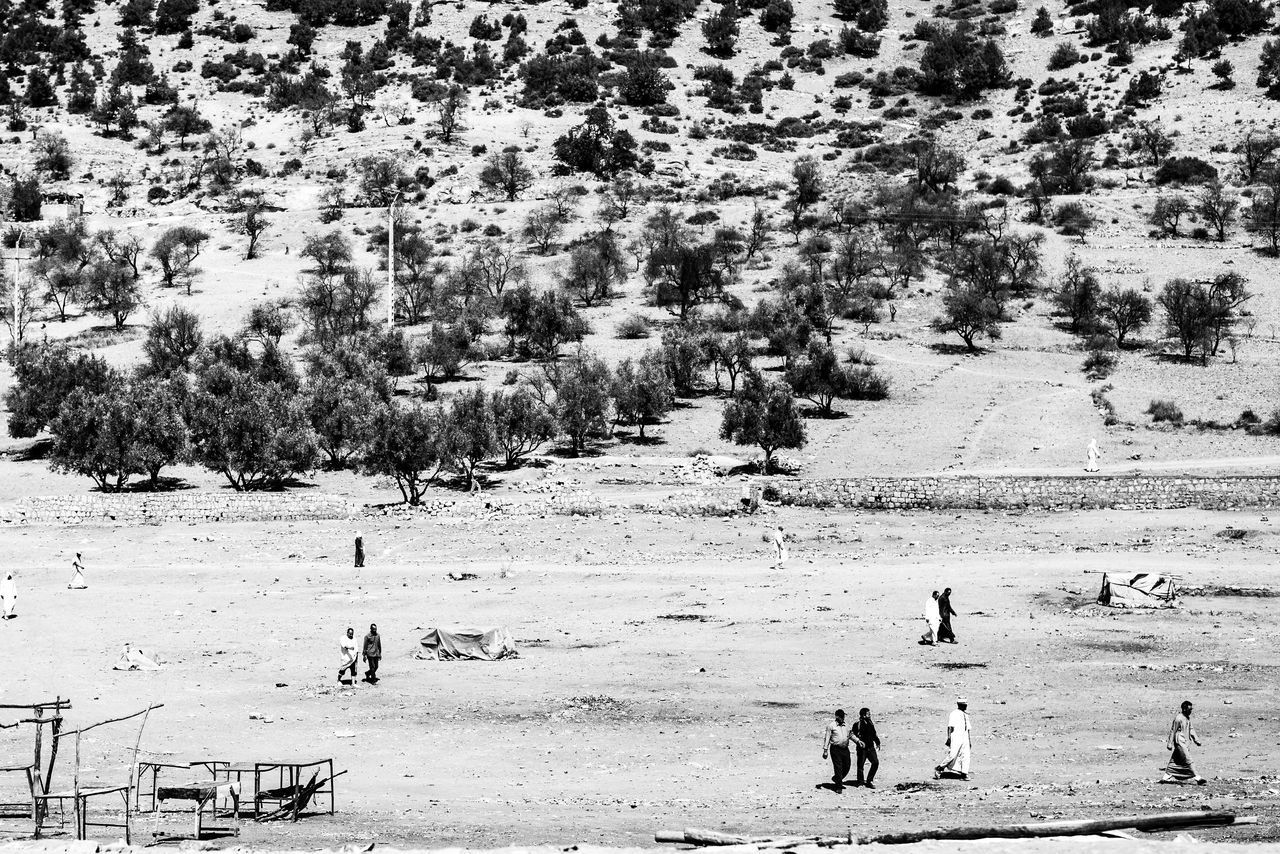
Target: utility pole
(391,262)
(16,321)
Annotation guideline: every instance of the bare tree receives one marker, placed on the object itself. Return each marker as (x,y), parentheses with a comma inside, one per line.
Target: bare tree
(1218,207)
(450,101)
(542,228)
(1256,151)
(122,250)
(506,173)
(252,224)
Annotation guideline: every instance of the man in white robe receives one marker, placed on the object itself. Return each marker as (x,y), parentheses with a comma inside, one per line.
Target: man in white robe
(932,619)
(958,744)
(8,596)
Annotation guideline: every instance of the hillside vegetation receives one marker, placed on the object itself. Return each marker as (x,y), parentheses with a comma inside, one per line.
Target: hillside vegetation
(828,237)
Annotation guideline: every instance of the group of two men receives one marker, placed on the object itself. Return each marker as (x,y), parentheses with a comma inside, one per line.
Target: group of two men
(372,654)
(937,616)
(836,741)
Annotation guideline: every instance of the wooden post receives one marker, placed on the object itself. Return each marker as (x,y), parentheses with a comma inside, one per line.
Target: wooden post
(75,790)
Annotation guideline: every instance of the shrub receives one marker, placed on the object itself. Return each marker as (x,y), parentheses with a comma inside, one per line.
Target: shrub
(1165,410)
(633,327)
(1063,56)
(1099,364)
(1185,170)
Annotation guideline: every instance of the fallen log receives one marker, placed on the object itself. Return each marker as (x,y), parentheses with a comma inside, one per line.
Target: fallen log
(1081,827)
(1074,827)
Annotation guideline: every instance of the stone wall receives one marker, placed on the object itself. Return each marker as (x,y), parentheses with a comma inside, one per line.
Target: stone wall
(868,493)
(1031,493)
(161,508)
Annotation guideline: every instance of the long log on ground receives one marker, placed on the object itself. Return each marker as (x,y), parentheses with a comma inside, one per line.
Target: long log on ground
(1076,827)
(1084,827)
(697,836)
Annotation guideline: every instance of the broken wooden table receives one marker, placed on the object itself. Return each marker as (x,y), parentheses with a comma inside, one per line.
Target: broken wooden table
(204,793)
(287,775)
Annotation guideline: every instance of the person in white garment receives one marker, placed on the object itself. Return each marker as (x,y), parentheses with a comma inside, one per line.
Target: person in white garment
(932,618)
(349,649)
(958,744)
(77,575)
(780,547)
(1091,463)
(8,596)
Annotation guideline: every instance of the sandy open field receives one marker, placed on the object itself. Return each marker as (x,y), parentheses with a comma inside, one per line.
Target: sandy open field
(668,676)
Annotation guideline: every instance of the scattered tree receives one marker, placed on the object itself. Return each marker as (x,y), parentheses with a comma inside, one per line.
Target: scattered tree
(763,414)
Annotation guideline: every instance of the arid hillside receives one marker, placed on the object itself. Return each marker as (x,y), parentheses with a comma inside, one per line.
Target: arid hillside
(880,238)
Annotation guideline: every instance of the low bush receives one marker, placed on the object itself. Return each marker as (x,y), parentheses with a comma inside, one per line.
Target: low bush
(1165,411)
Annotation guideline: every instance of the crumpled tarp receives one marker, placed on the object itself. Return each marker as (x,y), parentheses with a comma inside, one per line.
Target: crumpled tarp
(135,659)
(1141,590)
(452,644)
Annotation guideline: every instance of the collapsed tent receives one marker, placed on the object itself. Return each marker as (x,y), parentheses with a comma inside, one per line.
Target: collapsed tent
(1143,590)
(132,658)
(478,644)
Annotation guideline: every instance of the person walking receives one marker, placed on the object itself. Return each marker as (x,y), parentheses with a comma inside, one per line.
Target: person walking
(347,646)
(780,547)
(8,596)
(77,575)
(945,613)
(372,654)
(958,744)
(359,549)
(932,617)
(835,741)
(1181,736)
(1091,456)
(868,747)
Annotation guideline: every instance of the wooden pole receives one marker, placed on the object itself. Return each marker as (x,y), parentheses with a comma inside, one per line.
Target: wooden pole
(1086,827)
(1076,827)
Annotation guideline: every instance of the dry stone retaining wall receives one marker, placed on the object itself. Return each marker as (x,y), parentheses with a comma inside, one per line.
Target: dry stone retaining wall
(868,493)
(170,507)
(1032,493)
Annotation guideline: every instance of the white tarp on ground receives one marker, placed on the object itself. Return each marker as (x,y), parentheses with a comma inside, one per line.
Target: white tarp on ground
(132,658)
(1140,590)
(450,644)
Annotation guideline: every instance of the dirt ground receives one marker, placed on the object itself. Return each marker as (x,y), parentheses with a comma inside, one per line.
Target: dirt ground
(668,676)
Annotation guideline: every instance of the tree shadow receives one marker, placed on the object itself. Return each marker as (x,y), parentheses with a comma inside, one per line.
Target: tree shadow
(566,452)
(162,484)
(37,450)
(946,348)
(637,439)
(816,412)
(753,468)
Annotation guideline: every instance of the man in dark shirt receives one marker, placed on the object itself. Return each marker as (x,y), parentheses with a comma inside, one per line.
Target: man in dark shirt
(946,612)
(372,654)
(868,747)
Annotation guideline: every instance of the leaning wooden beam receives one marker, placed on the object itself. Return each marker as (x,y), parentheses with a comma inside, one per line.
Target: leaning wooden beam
(54,704)
(136,714)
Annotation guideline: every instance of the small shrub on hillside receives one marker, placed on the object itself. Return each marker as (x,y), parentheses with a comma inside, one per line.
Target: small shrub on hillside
(1064,55)
(1165,411)
(633,327)
(1099,364)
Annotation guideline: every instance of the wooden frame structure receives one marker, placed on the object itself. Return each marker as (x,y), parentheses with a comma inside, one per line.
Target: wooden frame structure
(39,773)
(289,782)
(80,797)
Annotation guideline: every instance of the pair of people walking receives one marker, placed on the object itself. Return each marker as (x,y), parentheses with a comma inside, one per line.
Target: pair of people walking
(836,739)
(351,654)
(937,617)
